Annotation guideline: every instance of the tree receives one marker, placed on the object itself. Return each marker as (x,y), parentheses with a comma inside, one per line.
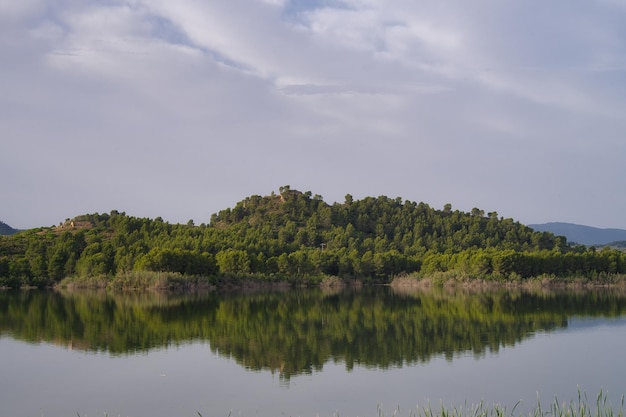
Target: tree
(233,261)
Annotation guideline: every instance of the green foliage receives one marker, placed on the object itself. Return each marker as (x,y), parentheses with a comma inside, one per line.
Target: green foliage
(481,263)
(177,260)
(295,234)
(233,261)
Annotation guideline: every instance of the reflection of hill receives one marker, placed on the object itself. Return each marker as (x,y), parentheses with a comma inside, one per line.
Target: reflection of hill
(100,321)
(297,332)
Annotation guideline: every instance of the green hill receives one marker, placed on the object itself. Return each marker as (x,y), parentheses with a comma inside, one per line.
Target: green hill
(297,237)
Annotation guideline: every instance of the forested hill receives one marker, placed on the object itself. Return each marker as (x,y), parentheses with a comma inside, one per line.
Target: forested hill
(5,229)
(293,234)
(292,220)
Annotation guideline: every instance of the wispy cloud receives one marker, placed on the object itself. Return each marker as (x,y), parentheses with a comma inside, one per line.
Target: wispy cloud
(179,109)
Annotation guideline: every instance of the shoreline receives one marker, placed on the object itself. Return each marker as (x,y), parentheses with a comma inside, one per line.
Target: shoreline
(177,283)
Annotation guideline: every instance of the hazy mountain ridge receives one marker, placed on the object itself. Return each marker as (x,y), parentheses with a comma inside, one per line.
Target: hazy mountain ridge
(585,235)
(5,229)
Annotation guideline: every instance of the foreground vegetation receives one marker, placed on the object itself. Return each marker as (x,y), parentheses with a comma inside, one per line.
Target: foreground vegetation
(298,238)
(580,408)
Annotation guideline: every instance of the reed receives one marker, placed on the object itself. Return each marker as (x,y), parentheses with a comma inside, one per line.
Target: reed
(581,407)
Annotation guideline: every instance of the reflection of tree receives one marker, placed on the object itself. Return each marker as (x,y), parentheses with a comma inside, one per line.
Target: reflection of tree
(100,321)
(297,332)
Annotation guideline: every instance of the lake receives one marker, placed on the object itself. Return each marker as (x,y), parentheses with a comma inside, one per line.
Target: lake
(351,352)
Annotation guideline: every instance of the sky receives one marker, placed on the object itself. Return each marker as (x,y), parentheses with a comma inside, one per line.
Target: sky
(180,109)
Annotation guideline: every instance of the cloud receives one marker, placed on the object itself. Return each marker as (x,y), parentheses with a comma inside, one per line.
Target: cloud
(179,109)
(18,10)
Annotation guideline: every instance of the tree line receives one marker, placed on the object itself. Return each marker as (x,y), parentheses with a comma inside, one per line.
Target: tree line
(296,235)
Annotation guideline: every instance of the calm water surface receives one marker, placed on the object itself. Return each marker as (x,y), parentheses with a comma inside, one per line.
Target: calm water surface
(306,353)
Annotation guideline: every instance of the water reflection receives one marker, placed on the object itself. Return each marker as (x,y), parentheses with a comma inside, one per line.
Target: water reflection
(297,332)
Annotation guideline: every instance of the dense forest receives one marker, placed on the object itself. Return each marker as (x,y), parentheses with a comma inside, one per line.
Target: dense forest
(295,236)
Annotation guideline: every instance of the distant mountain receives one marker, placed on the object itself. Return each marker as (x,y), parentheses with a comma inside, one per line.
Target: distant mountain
(585,235)
(5,229)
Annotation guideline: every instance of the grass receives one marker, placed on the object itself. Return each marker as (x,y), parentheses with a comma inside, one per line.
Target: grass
(138,280)
(579,408)
(151,280)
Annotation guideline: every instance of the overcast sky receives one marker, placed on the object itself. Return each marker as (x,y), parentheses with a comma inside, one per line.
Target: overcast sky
(182,108)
